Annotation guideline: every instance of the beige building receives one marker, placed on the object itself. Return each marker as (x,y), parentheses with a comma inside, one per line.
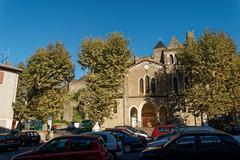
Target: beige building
(8,88)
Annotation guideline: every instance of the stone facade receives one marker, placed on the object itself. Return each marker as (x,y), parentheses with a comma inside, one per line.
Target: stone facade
(72,87)
(8,88)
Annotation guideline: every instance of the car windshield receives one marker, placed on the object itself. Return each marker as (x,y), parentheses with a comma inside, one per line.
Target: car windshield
(132,129)
(171,139)
(128,133)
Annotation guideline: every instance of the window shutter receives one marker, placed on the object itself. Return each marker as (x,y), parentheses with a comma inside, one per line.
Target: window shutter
(1,77)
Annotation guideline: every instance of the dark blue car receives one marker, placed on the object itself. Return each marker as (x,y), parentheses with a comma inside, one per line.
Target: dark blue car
(130,141)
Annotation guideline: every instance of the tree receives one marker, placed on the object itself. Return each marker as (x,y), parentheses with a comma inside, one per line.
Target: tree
(210,64)
(21,110)
(106,61)
(41,89)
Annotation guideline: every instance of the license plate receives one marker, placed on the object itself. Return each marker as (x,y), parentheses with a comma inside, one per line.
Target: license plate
(10,141)
(34,138)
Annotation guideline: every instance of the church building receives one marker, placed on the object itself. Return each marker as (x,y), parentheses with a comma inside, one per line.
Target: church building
(152,90)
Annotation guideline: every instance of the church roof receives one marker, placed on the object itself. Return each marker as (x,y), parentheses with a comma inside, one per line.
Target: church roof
(174,43)
(144,60)
(159,45)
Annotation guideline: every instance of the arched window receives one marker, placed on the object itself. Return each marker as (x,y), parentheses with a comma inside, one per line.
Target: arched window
(171,59)
(186,81)
(175,85)
(141,85)
(147,86)
(162,58)
(133,117)
(153,87)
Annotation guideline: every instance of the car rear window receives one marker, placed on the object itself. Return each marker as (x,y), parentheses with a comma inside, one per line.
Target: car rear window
(210,142)
(162,129)
(29,133)
(209,139)
(172,129)
(81,144)
(24,134)
(35,134)
(117,137)
(57,145)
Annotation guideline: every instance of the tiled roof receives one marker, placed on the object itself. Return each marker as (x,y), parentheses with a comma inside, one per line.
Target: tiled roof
(10,68)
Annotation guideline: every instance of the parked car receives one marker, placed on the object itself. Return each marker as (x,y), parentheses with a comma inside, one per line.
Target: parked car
(142,138)
(9,141)
(197,144)
(113,141)
(29,137)
(161,140)
(163,129)
(226,126)
(137,132)
(86,125)
(69,147)
(130,141)
(134,130)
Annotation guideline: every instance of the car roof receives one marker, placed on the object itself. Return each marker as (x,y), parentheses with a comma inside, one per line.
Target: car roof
(92,137)
(29,131)
(200,130)
(112,129)
(97,133)
(124,126)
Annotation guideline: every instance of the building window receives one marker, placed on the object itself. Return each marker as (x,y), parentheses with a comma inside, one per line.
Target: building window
(153,87)
(175,85)
(171,59)
(1,77)
(162,58)
(186,81)
(147,86)
(141,85)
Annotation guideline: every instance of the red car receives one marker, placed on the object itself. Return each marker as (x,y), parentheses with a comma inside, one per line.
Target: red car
(69,147)
(163,129)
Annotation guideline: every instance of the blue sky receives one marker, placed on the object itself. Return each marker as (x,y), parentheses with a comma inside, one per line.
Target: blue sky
(26,25)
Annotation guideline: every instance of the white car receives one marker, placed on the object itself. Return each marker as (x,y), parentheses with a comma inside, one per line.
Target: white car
(112,140)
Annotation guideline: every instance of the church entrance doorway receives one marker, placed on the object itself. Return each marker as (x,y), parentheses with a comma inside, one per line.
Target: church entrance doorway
(163,115)
(148,115)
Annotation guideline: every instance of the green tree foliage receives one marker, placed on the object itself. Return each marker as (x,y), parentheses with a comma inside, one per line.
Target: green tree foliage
(21,110)
(212,65)
(107,61)
(41,86)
